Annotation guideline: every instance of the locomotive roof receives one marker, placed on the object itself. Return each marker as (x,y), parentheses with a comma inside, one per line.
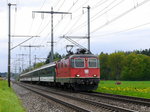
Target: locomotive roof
(82,55)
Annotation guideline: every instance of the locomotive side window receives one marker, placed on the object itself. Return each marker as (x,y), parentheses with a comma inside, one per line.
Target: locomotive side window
(72,63)
(61,65)
(79,63)
(65,65)
(92,63)
(58,65)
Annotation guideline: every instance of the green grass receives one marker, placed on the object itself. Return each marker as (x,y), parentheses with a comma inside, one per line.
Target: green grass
(9,102)
(129,88)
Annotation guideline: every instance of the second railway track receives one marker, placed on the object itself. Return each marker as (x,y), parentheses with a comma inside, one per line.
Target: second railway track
(79,104)
(135,100)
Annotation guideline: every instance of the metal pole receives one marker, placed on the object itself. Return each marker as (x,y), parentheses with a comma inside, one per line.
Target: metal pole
(88,28)
(52,42)
(22,62)
(9,41)
(19,64)
(29,56)
(35,59)
(52,49)
(30,46)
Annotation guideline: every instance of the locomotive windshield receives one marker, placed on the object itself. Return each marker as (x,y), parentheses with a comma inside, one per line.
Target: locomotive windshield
(79,63)
(92,63)
(84,62)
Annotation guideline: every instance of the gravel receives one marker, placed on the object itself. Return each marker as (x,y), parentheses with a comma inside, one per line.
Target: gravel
(36,103)
(140,108)
(89,107)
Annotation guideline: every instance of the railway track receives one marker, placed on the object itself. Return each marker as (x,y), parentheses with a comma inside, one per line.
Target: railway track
(86,105)
(135,100)
(39,92)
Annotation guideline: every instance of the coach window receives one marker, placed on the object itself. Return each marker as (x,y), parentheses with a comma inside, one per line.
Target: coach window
(47,71)
(79,63)
(92,63)
(44,72)
(33,74)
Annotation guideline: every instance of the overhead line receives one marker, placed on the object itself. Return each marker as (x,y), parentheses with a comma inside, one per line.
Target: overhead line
(43,4)
(41,22)
(84,23)
(45,27)
(124,30)
(40,9)
(33,19)
(56,3)
(74,11)
(97,4)
(106,8)
(121,15)
(65,15)
(23,42)
(61,5)
(74,42)
(45,38)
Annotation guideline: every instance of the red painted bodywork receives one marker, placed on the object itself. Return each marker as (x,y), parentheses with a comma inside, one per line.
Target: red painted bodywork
(64,69)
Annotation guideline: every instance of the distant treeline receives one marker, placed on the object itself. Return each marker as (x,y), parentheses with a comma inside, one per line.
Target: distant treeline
(125,65)
(145,51)
(131,65)
(3,74)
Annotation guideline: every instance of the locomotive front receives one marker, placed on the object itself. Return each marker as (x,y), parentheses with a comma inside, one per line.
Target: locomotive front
(84,71)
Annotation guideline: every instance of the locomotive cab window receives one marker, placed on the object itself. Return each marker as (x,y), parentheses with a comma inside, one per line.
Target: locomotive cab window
(92,63)
(79,63)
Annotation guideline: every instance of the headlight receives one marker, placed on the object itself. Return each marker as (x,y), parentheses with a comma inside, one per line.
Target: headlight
(77,75)
(94,75)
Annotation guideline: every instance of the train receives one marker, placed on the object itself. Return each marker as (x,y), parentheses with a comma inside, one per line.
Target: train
(79,71)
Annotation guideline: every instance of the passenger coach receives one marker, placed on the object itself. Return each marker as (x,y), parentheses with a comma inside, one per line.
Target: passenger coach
(44,74)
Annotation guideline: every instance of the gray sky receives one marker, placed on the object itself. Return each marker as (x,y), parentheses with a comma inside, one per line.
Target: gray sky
(115,25)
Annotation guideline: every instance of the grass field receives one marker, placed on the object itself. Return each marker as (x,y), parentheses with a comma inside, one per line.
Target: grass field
(9,102)
(129,88)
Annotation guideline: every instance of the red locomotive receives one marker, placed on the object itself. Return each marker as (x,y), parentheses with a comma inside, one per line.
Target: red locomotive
(80,71)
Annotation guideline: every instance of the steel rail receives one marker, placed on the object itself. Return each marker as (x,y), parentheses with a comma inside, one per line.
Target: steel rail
(79,109)
(135,100)
(100,104)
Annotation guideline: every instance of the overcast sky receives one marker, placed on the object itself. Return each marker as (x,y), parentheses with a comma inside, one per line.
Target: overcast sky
(116,25)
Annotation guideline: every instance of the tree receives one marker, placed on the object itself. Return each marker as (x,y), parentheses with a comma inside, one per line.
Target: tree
(116,64)
(137,67)
(146,70)
(48,58)
(125,65)
(104,69)
(56,56)
(37,65)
